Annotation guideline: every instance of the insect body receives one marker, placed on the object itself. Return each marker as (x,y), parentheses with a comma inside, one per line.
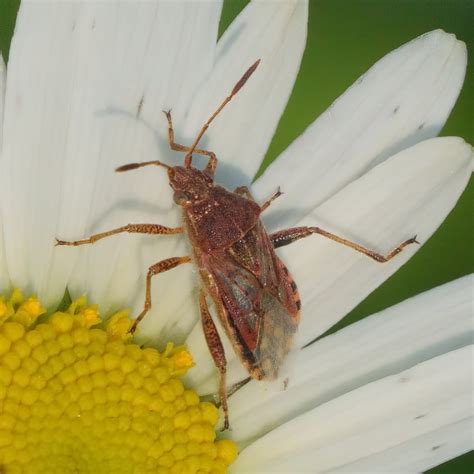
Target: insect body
(256,298)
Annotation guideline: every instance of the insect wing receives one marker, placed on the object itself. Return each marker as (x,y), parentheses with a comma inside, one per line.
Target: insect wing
(257,302)
(239,296)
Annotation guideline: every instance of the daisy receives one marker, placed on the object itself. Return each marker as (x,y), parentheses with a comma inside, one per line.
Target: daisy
(85,87)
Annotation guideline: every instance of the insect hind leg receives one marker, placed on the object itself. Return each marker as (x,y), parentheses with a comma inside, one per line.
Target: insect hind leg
(237,386)
(216,349)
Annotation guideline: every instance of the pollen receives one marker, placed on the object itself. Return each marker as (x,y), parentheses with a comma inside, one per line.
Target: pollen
(77,395)
(183,359)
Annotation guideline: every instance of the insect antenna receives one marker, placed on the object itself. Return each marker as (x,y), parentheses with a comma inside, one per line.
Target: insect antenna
(188,158)
(133,166)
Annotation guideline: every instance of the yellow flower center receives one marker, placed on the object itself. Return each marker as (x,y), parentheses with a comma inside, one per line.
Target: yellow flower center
(74,398)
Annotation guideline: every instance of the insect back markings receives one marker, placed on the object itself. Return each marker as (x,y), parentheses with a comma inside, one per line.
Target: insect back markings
(255,296)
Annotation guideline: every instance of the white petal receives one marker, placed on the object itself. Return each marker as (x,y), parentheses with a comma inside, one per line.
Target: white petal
(409,194)
(79,75)
(418,329)
(425,400)
(419,454)
(275,32)
(404,98)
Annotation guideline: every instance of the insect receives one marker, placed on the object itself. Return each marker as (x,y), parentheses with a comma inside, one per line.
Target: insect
(254,294)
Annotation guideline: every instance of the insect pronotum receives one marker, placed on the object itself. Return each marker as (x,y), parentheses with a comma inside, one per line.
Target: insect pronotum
(255,296)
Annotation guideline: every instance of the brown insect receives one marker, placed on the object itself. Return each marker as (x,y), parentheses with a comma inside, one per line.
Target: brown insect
(255,296)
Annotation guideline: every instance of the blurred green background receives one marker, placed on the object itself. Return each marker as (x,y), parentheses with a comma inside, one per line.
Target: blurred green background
(345,37)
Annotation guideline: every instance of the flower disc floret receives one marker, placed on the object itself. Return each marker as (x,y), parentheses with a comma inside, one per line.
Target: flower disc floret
(78,398)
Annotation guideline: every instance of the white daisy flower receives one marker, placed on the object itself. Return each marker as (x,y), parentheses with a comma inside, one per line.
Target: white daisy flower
(83,93)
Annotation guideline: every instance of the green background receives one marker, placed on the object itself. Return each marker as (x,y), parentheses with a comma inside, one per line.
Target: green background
(345,37)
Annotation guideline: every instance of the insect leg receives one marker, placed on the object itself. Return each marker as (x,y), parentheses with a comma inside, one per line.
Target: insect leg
(212,163)
(237,386)
(159,267)
(244,191)
(217,352)
(267,203)
(130,228)
(288,236)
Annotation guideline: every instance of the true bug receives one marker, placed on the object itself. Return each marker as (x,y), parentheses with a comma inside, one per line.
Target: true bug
(255,296)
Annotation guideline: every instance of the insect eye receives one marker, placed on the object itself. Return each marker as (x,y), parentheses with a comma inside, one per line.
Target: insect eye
(180,198)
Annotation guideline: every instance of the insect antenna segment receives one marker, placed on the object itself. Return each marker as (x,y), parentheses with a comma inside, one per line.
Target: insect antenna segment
(188,158)
(133,166)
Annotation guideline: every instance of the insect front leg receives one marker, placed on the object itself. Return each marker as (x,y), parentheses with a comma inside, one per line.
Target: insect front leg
(288,236)
(217,352)
(155,229)
(212,163)
(159,267)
